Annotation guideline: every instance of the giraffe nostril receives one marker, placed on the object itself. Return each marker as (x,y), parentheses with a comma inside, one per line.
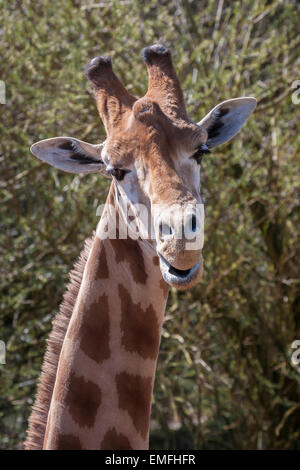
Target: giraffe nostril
(165,229)
(194,223)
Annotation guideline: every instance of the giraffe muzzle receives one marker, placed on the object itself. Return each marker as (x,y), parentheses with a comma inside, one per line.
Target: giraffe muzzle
(181,278)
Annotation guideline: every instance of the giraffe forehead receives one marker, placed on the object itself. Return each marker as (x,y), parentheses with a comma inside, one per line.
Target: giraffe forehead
(119,153)
(146,124)
(151,147)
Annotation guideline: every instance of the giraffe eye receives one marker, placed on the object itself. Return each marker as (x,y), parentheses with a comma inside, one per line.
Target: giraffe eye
(203,149)
(118,173)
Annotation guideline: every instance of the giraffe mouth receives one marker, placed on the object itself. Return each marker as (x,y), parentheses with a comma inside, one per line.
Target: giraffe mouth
(180,278)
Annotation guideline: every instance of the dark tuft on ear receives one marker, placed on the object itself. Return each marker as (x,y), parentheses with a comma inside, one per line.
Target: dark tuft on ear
(155,52)
(70,146)
(77,153)
(223,111)
(84,159)
(216,124)
(67,146)
(214,129)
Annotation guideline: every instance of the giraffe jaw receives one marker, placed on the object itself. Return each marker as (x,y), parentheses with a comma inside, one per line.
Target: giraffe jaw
(181,279)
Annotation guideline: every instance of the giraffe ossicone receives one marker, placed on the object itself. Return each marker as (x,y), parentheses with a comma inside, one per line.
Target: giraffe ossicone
(98,373)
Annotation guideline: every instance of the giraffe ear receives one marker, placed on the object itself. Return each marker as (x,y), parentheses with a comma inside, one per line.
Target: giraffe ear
(226,119)
(69,154)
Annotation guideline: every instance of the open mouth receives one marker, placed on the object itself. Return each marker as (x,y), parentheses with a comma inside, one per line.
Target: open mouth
(180,278)
(179,272)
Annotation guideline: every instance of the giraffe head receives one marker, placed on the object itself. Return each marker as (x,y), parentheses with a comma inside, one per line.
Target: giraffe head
(153,152)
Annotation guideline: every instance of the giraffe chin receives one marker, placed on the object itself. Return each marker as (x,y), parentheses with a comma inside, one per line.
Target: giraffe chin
(181,279)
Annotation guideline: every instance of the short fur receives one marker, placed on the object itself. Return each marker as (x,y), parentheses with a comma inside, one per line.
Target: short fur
(39,414)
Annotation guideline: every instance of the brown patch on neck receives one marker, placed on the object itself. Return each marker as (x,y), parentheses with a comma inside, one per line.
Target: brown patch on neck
(129,250)
(96,326)
(93,330)
(155,261)
(140,328)
(164,286)
(115,441)
(99,253)
(83,400)
(135,394)
(67,442)
(40,409)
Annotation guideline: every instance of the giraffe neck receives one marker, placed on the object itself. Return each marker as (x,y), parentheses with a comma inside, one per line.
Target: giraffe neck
(103,388)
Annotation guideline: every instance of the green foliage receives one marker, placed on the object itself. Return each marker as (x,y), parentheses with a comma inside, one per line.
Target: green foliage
(225,378)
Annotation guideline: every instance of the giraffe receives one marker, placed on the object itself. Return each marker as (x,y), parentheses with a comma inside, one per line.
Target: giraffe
(97,378)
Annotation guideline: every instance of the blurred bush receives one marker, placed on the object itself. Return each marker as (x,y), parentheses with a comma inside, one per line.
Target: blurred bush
(225,378)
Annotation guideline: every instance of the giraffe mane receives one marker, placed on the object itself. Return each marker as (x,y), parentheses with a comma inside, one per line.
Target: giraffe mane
(40,409)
